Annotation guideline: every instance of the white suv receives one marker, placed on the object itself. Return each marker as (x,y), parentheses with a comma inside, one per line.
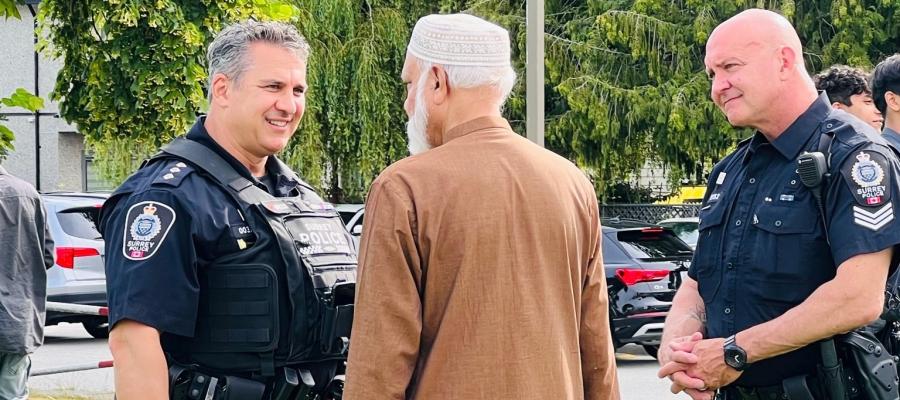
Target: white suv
(78,276)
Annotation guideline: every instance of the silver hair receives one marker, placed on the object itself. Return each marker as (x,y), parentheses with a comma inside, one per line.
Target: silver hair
(227,53)
(501,78)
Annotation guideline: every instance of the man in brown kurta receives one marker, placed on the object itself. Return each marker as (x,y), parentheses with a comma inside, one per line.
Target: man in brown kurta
(480,272)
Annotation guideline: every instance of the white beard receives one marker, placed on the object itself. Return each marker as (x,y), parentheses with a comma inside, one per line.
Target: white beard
(417,125)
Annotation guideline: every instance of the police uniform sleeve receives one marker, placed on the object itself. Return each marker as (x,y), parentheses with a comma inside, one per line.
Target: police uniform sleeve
(150,262)
(387,321)
(862,202)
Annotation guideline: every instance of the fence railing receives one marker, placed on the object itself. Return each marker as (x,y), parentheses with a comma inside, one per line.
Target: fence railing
(651,213)
(74,309)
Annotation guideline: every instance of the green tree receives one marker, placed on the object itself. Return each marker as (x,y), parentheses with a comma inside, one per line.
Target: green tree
(134,71)
(134,75)
(8,9)
(628,83)
(355,124)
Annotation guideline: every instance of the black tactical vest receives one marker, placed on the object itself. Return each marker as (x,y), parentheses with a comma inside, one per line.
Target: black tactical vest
(285,300)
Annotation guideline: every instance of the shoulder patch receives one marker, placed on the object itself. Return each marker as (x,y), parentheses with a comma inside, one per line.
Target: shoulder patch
(868,175)
(173,174)
(146,225)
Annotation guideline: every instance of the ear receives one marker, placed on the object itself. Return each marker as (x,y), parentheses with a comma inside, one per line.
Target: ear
(838,105)
(787,59)
(440,88)
(219,87)
(893,100)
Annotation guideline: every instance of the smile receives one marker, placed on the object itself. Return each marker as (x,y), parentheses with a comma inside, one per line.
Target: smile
(280,124)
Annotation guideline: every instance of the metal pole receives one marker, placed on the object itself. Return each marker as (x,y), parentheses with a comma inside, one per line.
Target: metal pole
(37,113)
(534,81)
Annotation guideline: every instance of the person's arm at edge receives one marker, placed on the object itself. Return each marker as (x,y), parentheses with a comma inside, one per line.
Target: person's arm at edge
(598,356)
(47,240)
(141,371)
(387,321)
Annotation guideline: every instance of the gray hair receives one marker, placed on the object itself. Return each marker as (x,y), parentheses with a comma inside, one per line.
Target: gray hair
(227,53)
(462,76)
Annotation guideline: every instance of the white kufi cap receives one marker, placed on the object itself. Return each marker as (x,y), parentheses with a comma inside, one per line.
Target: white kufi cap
(460,39)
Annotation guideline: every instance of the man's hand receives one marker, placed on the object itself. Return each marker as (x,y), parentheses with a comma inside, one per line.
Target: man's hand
(710,366)
(675,358)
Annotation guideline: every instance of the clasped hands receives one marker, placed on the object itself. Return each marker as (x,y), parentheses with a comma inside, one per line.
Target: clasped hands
(696,366)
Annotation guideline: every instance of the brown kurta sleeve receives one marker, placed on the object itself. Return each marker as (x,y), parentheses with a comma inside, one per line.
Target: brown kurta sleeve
(598,357)
(387,321)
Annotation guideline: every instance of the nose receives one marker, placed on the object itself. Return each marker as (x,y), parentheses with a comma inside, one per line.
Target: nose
(719,85)
(287,102)
(409,105)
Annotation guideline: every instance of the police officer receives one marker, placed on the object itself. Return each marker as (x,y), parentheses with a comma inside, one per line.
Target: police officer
(886,93)
(223,267)
(774,272)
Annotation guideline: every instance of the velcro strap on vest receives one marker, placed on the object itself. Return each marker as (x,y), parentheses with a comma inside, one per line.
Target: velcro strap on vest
(240,308)
(238,281)
(240,335)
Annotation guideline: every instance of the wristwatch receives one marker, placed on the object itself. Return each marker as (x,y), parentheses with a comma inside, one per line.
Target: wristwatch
(735,356)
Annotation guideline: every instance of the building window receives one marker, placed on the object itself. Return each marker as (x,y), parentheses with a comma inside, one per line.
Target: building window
(93,182)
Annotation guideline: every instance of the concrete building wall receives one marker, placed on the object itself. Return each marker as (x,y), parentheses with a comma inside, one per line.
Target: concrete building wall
(61,149)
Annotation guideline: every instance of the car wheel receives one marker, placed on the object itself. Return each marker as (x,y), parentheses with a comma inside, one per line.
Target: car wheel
(97,328)
(651,349)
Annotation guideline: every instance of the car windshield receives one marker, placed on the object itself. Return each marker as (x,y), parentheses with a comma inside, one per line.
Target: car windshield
(652,244)
(686,231)
(80,222)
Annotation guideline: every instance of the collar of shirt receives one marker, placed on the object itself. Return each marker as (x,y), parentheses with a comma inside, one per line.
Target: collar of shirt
(794,138)
(474,125)
(888,131)
(286,182)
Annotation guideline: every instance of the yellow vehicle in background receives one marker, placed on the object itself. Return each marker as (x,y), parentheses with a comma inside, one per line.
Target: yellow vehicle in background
(686,195)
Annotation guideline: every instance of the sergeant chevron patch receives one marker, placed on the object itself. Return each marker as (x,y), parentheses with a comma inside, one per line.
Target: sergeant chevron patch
(873,220)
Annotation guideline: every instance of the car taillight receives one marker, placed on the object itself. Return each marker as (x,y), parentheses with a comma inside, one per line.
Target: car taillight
(65,256)
(652,230)
(631,276)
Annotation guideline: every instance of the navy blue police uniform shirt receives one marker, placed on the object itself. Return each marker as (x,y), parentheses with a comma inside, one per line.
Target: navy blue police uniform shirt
(763,248)
(892,137)
(161,225)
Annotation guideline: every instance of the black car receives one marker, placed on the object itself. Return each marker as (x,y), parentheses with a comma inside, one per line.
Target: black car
(644,266)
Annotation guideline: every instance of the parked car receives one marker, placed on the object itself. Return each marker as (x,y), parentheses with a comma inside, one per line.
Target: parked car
(352,215)
(78,276)
(644,266)
(687,229)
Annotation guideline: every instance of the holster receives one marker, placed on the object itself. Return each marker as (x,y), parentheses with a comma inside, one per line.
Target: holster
(870,369)
(186,383)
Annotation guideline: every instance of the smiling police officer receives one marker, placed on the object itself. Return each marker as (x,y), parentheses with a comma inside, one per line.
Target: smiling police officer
(223,267)
(774,272)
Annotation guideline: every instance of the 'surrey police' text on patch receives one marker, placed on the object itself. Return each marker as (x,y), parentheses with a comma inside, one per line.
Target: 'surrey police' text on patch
(146,225)
(868,176)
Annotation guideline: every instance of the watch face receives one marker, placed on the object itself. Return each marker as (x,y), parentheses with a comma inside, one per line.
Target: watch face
(735,358)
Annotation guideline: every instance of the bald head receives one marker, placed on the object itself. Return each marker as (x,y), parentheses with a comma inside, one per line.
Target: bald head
(755,61)
(758,29)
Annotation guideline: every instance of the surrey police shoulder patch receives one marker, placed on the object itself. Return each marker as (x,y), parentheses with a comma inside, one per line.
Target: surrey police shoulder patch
(867,174)
(146,225)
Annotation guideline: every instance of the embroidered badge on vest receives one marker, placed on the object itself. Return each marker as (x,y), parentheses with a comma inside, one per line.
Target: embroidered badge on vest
(147,224)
